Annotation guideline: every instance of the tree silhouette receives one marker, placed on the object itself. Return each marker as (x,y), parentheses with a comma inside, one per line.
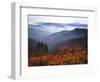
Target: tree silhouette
(41,47)
(46,47)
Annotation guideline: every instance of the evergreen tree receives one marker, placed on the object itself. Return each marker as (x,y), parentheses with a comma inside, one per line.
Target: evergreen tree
(41,47)
(46,47)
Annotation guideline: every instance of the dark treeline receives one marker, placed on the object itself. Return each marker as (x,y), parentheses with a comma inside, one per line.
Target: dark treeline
(37,47)
(41,47)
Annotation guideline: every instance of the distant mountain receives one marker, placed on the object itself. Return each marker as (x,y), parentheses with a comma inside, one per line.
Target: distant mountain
(82,41)
(59,37)
(73,24)
(37,34)
(77,24)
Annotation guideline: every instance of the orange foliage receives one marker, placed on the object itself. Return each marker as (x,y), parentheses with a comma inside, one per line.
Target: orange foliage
(64,56)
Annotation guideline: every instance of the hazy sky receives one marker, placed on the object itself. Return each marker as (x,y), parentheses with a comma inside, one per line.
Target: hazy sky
(56,24)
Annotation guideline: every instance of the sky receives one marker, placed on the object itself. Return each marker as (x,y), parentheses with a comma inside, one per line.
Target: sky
(56,24)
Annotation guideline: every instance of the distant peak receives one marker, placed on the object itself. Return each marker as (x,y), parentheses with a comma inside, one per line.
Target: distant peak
(80,29)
